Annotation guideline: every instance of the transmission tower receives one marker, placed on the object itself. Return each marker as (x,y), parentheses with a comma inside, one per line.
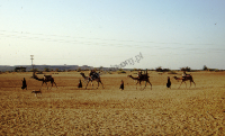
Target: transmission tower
(32,58)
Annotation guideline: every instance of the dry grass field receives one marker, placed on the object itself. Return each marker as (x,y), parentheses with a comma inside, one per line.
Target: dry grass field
(67,110)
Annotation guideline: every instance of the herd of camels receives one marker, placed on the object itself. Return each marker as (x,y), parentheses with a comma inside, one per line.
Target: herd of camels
(96,77)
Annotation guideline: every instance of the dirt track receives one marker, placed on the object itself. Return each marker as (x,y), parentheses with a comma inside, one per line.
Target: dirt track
(67,110)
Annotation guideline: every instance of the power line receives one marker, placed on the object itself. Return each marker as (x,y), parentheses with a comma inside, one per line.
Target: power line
(101,39)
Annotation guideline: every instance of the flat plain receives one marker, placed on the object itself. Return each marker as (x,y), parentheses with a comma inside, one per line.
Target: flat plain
(67,110)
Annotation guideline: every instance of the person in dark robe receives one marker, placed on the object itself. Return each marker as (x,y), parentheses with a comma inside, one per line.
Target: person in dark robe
(80,84)
(122,85)
(168,84)
(24,84)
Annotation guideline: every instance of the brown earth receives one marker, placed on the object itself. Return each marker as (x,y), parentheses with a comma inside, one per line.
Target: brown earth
(67,110)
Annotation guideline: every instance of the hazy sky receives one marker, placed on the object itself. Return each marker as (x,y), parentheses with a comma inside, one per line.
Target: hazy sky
(168,33)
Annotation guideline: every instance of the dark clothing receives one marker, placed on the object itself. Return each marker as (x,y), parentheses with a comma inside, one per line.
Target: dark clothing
(80,84)
(92,72)
(122,86)
(168,83)
(24,84)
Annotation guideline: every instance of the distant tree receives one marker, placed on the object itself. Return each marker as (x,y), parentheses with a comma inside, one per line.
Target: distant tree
(204,68)
(159,69)
(120,69)
(46,70)
(57,70)
(79,69)
(95,69)
(188,69)
(166,70)
(110,69)
(34,70)
(100,68)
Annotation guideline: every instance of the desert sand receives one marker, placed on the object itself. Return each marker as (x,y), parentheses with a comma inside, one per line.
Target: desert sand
(67,110)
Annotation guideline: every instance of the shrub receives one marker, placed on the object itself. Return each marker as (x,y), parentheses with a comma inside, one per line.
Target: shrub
(172,72)
(47,70)
(79,69)
(159,69)
(188,69)
(121,71)
(205,68)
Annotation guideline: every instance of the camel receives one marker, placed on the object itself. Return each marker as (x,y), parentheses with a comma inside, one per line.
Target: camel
(94,77)
(186,78)
(144,77)
(46,79)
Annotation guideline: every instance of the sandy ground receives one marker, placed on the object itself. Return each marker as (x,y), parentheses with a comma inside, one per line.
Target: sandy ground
(67,110)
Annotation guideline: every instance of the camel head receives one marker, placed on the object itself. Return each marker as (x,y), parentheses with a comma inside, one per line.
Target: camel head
(82,73)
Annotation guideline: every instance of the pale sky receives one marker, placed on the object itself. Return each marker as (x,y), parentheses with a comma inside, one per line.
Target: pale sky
(168,33)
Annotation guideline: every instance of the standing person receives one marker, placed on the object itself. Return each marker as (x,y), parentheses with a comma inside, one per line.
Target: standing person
(80,84)
(122,85)
(24,84)
(168,84)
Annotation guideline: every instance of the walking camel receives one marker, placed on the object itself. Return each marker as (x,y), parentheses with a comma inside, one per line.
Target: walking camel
(46,79)
(184,79)
(144,77)
(94,77)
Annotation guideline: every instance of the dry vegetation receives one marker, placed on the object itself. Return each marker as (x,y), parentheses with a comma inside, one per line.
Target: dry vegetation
(67,110)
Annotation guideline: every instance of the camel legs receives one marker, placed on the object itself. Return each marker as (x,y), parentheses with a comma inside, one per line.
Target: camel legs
(150,84)
(55,84)
(190,84)
(181,83)
(137,83)
(45,83)
(92,85)
(101,84)
(194,83)
(140,85)
(146,84)
(87,85)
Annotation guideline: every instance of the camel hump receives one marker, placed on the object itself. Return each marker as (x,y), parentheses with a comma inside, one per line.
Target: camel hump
(47,77)
(188,75)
